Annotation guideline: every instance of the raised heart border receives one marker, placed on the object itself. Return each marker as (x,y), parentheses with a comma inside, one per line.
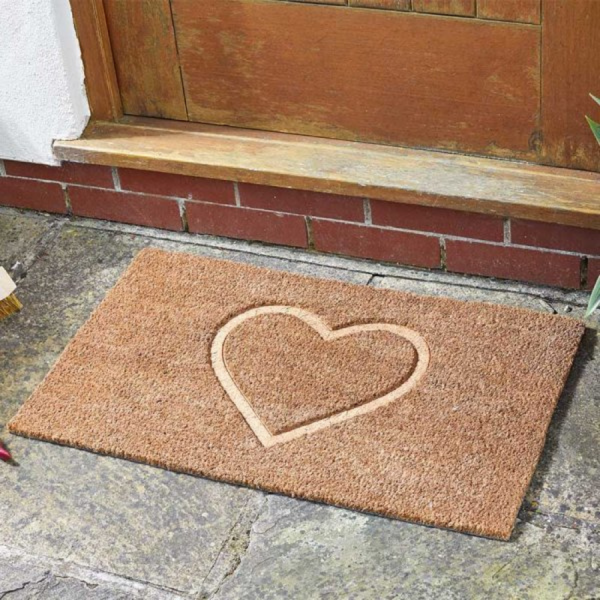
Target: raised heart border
(265,437)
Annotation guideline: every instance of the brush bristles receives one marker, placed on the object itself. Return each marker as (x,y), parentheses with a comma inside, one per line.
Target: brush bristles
(9,305)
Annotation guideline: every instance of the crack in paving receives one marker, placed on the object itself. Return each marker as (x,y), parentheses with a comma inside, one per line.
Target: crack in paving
(24,586)
(235,547)
(530,516)
(62,569)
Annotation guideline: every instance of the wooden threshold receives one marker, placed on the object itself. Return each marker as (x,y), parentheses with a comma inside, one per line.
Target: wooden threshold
(481,185)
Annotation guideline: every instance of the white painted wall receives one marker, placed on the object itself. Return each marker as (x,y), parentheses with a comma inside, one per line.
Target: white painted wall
(42,95)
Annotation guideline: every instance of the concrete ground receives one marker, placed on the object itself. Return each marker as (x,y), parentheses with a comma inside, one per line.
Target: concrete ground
(74,525)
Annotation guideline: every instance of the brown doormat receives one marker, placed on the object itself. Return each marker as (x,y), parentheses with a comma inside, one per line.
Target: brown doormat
(420,408)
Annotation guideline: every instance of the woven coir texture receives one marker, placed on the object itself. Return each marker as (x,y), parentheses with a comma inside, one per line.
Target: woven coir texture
(472,389)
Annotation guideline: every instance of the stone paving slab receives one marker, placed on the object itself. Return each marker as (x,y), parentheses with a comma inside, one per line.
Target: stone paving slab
(180,536)
(20,236)
(306,551)
(24,577)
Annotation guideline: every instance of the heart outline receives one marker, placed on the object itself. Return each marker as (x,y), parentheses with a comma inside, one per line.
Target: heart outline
(266,438)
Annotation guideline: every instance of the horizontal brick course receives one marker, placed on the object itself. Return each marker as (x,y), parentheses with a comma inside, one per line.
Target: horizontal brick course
(301,202)
(136,209)
(35,195)
(376,243)
(247,224)
(179,186)
(559,237)
(408,234)
(68,172)
(508,262)
(438,220)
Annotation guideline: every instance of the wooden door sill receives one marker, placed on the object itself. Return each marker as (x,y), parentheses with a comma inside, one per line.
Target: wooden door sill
(481,185)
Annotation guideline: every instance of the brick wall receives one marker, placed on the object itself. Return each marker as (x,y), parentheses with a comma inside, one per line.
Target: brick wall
(434,238)
(516,11)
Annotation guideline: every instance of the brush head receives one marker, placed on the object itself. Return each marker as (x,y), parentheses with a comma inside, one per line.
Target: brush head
(9,303)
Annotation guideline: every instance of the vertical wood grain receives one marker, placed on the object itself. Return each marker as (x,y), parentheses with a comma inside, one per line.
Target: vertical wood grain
(146,60)
(385,4)
(520,11)
(464,8)
(570,72)
(100,77)
(367,75)
(337,2)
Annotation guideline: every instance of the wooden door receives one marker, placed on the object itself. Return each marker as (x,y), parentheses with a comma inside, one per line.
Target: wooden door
(503,78)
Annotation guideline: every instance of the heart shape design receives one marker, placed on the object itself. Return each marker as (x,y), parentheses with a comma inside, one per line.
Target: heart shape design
(263,434)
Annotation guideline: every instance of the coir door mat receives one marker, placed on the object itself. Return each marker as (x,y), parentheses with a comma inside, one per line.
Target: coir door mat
(420,408)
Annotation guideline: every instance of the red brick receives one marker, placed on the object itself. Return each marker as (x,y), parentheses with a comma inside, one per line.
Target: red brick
(438,220)
(508,262)
(68,172)
(36,195)
(302,202)
(559,237)
(247,224)
(593,272)
(378,244)
(179,186)
(137,209)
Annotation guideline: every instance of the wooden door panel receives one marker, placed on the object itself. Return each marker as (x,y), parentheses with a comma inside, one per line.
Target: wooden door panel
(521,11)
(571,71)
(463,8)
(379,76)
(145,52)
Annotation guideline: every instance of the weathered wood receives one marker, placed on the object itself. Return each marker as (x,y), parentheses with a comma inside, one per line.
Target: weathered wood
(464,8)
(385,4)
(521,11)
(100,77)
(370,75)
(146,60)
(571,71)
(337,2)
(366,170)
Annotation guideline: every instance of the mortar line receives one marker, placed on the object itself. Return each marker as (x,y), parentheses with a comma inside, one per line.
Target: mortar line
(116,179)
(507,231)
(183,215)
(367,211)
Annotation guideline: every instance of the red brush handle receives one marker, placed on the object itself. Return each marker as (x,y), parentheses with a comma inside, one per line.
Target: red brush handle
(4,454)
